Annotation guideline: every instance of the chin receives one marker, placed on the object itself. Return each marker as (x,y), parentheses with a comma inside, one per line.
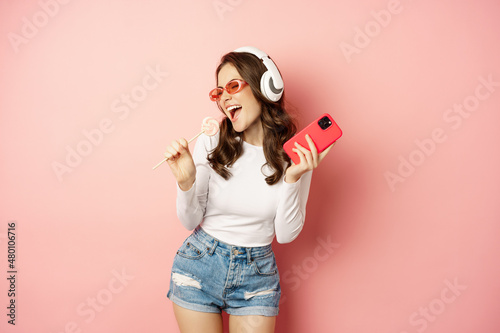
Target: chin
(238,130)
(238,127)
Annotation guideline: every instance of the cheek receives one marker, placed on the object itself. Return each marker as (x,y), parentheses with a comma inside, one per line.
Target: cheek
(252,104)
(220,108)
(255,111)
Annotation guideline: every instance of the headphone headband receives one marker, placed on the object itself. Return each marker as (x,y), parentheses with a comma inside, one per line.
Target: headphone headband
(271,82)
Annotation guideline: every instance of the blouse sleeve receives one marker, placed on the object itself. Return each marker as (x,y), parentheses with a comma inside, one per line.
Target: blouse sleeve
(191,204)
(291,212)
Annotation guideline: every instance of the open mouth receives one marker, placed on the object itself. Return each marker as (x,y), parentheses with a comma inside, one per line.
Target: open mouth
(234,111)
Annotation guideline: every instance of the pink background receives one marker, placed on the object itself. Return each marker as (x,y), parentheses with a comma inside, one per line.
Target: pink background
(396,248)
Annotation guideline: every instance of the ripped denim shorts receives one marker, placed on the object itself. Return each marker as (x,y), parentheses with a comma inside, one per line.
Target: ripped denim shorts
(210,276)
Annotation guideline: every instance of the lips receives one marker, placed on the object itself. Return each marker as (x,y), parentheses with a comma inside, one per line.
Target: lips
(234,111)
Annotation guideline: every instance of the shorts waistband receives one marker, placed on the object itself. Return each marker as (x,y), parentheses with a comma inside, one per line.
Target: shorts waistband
(230,250)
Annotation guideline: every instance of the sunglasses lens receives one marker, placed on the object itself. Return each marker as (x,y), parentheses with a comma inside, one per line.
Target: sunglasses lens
(233,87)
(216,94)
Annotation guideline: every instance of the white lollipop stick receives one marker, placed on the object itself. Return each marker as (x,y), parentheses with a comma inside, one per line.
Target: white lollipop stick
(165,159)
(194,137)
(209,126)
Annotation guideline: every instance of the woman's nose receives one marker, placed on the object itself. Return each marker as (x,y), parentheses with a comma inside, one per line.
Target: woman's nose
(225,96)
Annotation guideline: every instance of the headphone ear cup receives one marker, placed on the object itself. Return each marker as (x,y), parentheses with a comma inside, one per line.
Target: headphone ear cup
(271,78)
(268,89)
(264,84)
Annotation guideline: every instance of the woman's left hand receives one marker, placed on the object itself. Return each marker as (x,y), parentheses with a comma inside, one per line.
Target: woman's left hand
(309,159)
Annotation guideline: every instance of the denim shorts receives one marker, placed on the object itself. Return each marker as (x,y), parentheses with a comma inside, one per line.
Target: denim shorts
(210,276)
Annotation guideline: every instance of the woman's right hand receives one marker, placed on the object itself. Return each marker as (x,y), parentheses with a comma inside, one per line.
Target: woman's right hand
(181,163)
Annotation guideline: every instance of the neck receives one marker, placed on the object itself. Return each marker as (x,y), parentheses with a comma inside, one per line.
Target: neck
(254,135)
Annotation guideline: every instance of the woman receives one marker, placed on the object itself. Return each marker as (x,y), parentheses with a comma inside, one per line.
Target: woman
(238,191)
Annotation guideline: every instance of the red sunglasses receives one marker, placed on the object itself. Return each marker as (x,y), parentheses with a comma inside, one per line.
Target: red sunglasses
(232,87)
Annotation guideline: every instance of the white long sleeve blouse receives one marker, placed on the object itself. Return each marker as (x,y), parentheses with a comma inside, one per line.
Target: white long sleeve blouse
(243,210)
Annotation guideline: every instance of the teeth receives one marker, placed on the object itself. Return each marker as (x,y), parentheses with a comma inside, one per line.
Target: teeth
(233,107)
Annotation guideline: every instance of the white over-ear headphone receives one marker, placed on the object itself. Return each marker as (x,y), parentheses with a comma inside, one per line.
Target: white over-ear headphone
(271,83)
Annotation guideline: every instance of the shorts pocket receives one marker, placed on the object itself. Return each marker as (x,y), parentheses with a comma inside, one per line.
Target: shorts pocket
(192,249)
(265,266)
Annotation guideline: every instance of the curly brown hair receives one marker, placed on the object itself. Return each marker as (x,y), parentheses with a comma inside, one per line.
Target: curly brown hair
(277,123)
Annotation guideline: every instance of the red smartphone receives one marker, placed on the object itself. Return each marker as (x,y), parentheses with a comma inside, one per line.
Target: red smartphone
(323,131)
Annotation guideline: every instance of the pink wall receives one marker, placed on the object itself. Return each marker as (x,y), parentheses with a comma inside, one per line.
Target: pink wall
(403,219)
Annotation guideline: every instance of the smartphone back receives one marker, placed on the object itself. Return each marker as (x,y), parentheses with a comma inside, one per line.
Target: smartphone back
(323,131)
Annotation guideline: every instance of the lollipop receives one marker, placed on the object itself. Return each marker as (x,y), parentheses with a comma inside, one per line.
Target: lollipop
(209,126)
